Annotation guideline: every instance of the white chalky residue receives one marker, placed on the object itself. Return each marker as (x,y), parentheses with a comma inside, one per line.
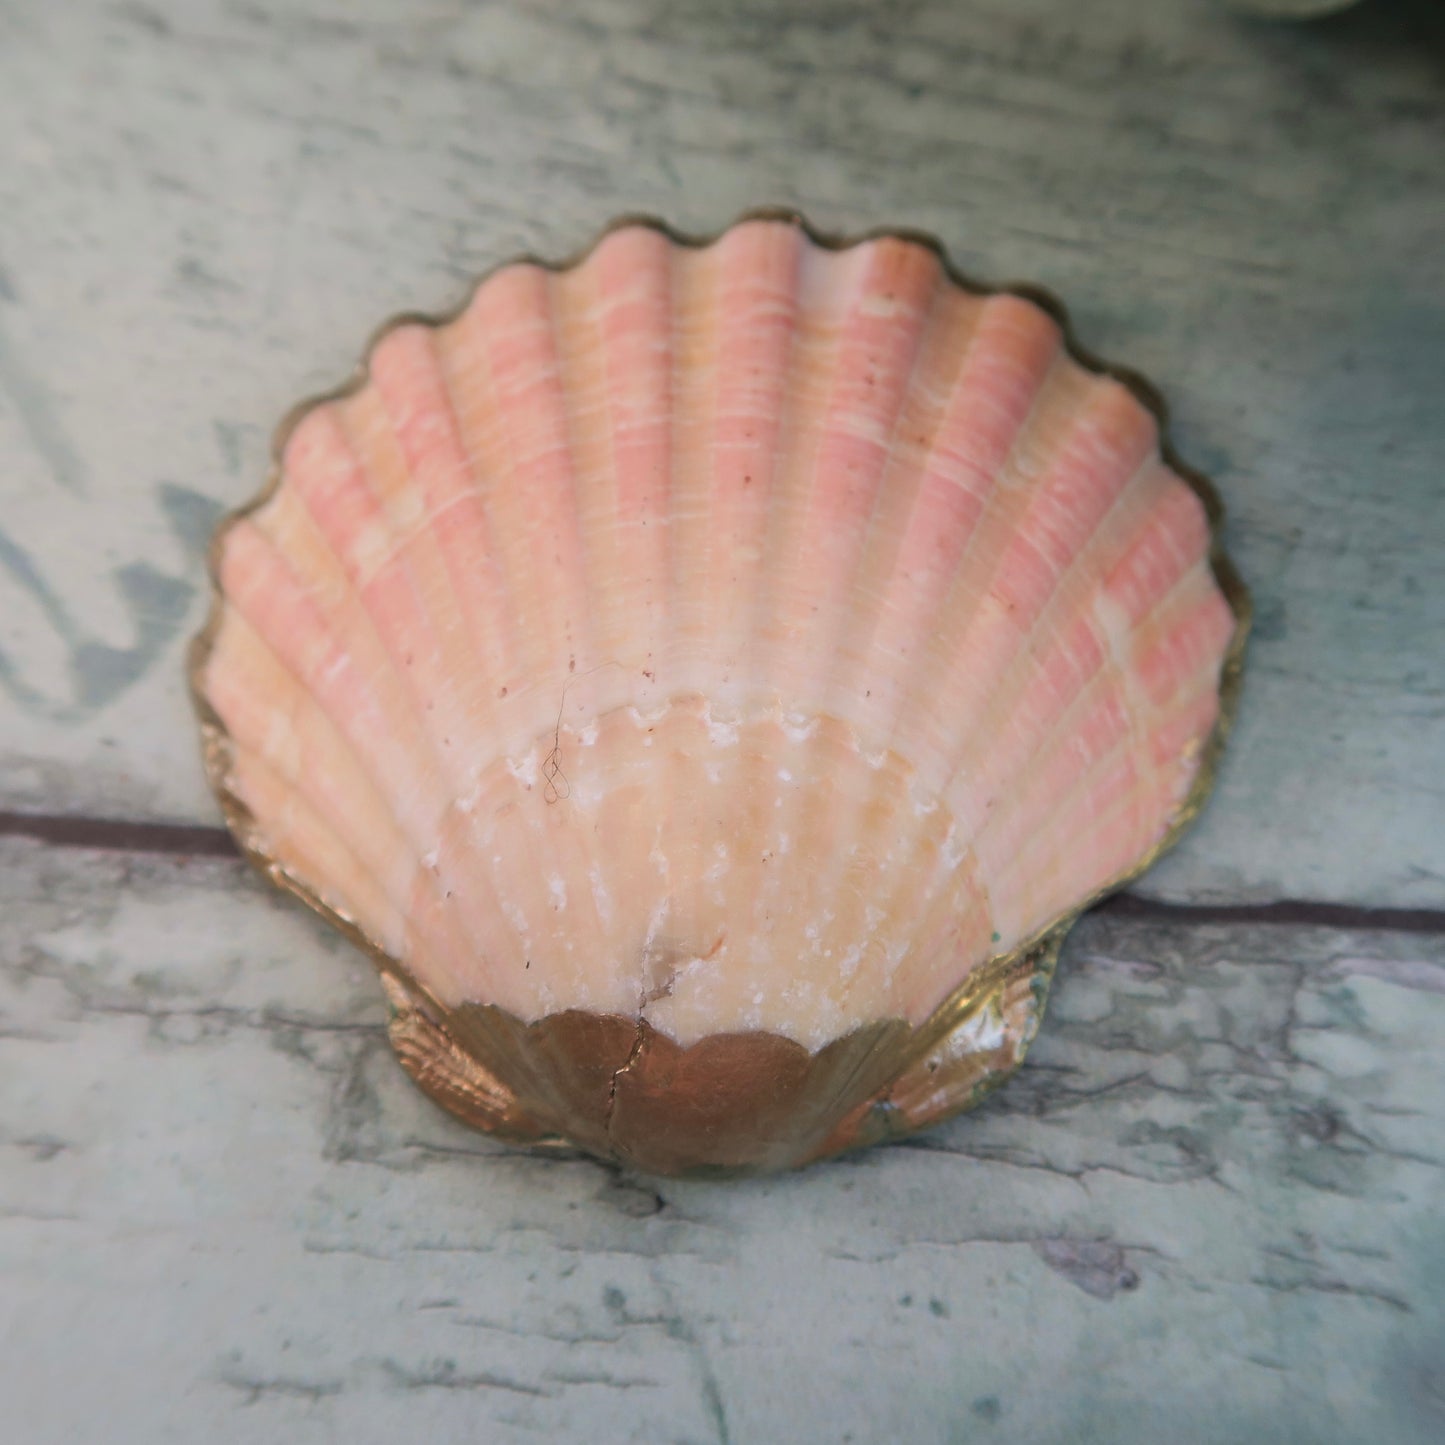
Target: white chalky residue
(641,719)
(719,733)
(335,667)
(1113,622)
(525,770)
(799,727)
(600,896)
(655,923)
(557,887)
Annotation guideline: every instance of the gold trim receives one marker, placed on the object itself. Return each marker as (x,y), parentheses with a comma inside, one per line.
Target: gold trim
(1036,958)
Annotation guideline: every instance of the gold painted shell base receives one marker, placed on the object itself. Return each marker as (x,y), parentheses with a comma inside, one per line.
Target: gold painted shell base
(732,1103)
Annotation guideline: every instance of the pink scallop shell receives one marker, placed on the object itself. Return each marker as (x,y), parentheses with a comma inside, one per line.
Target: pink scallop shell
(751,638)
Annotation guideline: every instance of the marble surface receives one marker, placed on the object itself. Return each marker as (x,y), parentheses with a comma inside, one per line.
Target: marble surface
(1210,1208)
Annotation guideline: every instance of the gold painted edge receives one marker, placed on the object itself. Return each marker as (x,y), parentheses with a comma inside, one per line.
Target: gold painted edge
(966,999)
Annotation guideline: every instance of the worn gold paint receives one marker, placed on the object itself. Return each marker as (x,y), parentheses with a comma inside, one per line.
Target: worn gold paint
(618,1088)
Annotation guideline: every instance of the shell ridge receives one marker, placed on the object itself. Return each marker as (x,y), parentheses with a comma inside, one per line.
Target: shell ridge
(758,336)
(573,628)
(830,867)
(503,905)
(998,616)
(428,668)
(515,881)
(917,671)
(634,297)
(479,413)
(913,878)
(599,670)
(356,519)
(692,355)
(283,600)
(812,367)
(234,763)
(545,397)
(1107,672)
(1117,528)
(912,473)
(605,480)
(444,732)
(918,688)
(456,513)
(1068,804)
(757,328)
(802,346)
(636,399)
(793,554)
(1005,691)
(297,827)
(1114,656)
(858,443)
(695,279)
(956,922)
(537,531)
(883,569)
(949,682)
(416,896)
(351,802)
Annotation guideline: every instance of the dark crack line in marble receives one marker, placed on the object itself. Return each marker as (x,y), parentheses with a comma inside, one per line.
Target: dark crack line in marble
(117,835)
(679,1329)
(1332,1287)
(556,1337)
(1079,1174)
(596,1377)
(256,1388)
(42,1148)
(319,1247)
(230,1018)
(95,997)
(446,1376)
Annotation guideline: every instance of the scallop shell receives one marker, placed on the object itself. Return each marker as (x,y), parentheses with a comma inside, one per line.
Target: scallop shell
(710,677)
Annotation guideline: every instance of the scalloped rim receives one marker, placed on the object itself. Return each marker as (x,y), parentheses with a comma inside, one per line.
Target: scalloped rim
(1048,941)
